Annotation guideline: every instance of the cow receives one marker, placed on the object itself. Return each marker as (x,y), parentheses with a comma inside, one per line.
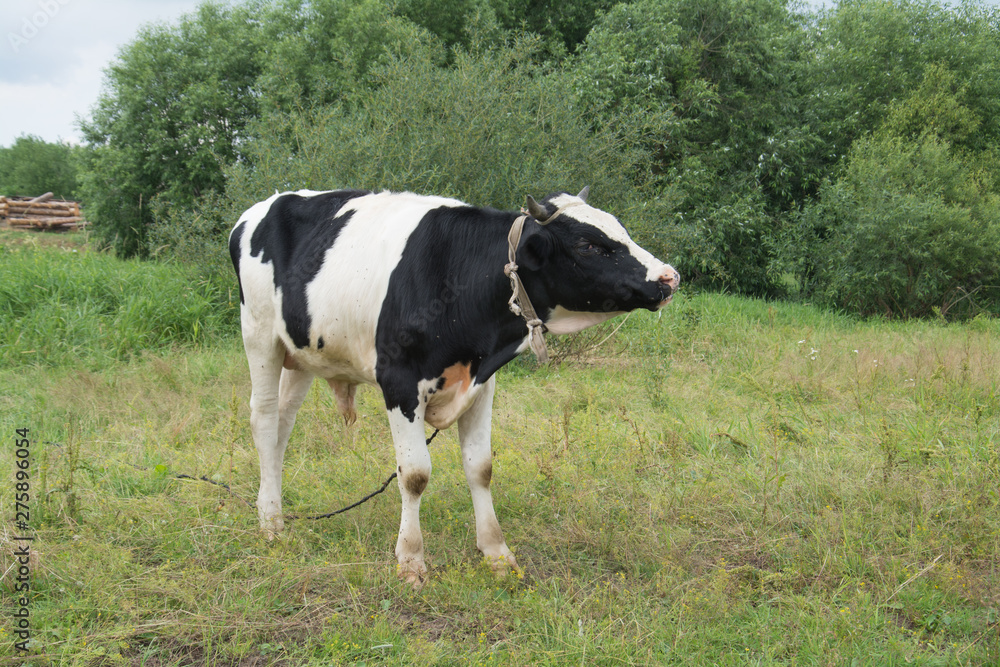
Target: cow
(413,293)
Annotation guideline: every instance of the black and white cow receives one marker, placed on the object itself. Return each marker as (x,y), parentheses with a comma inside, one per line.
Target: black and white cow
(408,292)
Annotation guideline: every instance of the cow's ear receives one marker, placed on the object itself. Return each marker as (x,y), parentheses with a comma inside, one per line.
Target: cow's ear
(536,247)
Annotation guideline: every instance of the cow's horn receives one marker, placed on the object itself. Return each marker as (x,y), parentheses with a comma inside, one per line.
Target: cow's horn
(583,193)
(537,211)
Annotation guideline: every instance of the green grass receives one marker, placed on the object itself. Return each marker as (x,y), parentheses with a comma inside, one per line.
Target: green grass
(732,482)
(66,304)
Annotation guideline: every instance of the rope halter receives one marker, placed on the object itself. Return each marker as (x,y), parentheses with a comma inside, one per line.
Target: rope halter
(519,302)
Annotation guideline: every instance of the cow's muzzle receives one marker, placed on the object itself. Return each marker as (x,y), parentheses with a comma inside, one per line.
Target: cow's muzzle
(668,281)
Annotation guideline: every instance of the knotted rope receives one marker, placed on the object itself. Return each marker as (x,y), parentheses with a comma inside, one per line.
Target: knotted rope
(519,302)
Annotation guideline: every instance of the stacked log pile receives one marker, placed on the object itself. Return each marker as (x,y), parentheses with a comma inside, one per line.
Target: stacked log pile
(41,213)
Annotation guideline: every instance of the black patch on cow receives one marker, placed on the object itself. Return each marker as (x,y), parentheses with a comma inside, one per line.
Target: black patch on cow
(447,303)
(294,236)
(415,482)
(234,253)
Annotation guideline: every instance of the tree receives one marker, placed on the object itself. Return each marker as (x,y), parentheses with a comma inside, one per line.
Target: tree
(32,166)
(322,52)
(870,53)
(912,226)
(174,108)
(568,21)
(719,83)
(911,231)
(907,101)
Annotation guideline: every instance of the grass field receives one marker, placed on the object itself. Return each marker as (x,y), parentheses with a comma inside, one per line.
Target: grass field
(731,482)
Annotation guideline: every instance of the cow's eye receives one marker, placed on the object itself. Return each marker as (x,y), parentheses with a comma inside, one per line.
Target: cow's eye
(587,248)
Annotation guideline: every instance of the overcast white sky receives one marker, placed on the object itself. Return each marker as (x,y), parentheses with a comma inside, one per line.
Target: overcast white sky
(52,57)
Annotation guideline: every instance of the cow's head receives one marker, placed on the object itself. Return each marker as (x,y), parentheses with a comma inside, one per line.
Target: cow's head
(586,265)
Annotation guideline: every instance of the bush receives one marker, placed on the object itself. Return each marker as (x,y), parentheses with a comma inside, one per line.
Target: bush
(728,244)
(32,166)
(910,229)
(488,130)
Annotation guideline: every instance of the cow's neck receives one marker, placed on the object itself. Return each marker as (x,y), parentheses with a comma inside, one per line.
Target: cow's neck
(512,329)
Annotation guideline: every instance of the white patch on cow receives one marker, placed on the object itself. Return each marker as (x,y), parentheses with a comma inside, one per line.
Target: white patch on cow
(345,298)
(413,464)
(613,229)
(563,321)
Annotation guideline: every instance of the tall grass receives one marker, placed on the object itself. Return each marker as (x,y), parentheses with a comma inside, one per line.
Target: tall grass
(728,482)
(65,306)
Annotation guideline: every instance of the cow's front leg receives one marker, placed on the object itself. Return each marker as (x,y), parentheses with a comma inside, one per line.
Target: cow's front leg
(477,458)
(413,466)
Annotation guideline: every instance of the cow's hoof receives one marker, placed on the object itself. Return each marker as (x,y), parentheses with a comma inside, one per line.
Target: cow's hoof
(504,565)
(412,573)
(272,527)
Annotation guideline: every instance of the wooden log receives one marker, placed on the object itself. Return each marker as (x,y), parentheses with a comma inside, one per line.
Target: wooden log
(41,222)
(43,206)
(40,198)
(42,212)
(14,208)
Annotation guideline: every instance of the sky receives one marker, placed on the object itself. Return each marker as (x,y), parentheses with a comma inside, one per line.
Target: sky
(53,54)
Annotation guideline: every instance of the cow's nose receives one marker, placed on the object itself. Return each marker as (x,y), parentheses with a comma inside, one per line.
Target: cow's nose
(670,279)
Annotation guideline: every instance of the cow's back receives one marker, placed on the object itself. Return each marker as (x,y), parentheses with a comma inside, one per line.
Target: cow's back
(314,269)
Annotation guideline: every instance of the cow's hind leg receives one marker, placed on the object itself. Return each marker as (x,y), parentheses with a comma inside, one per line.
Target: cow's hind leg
(413,463)
(274,400)
(474,429)
(291,393)
(292,390)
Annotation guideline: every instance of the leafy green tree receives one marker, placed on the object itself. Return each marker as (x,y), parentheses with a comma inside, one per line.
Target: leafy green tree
(939,106)
(912,232)
(324,50)
(32,166)
(912,226)
(568,21)
(720,84)
(447,19)
(174,108)
(871,53)
(909,92)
